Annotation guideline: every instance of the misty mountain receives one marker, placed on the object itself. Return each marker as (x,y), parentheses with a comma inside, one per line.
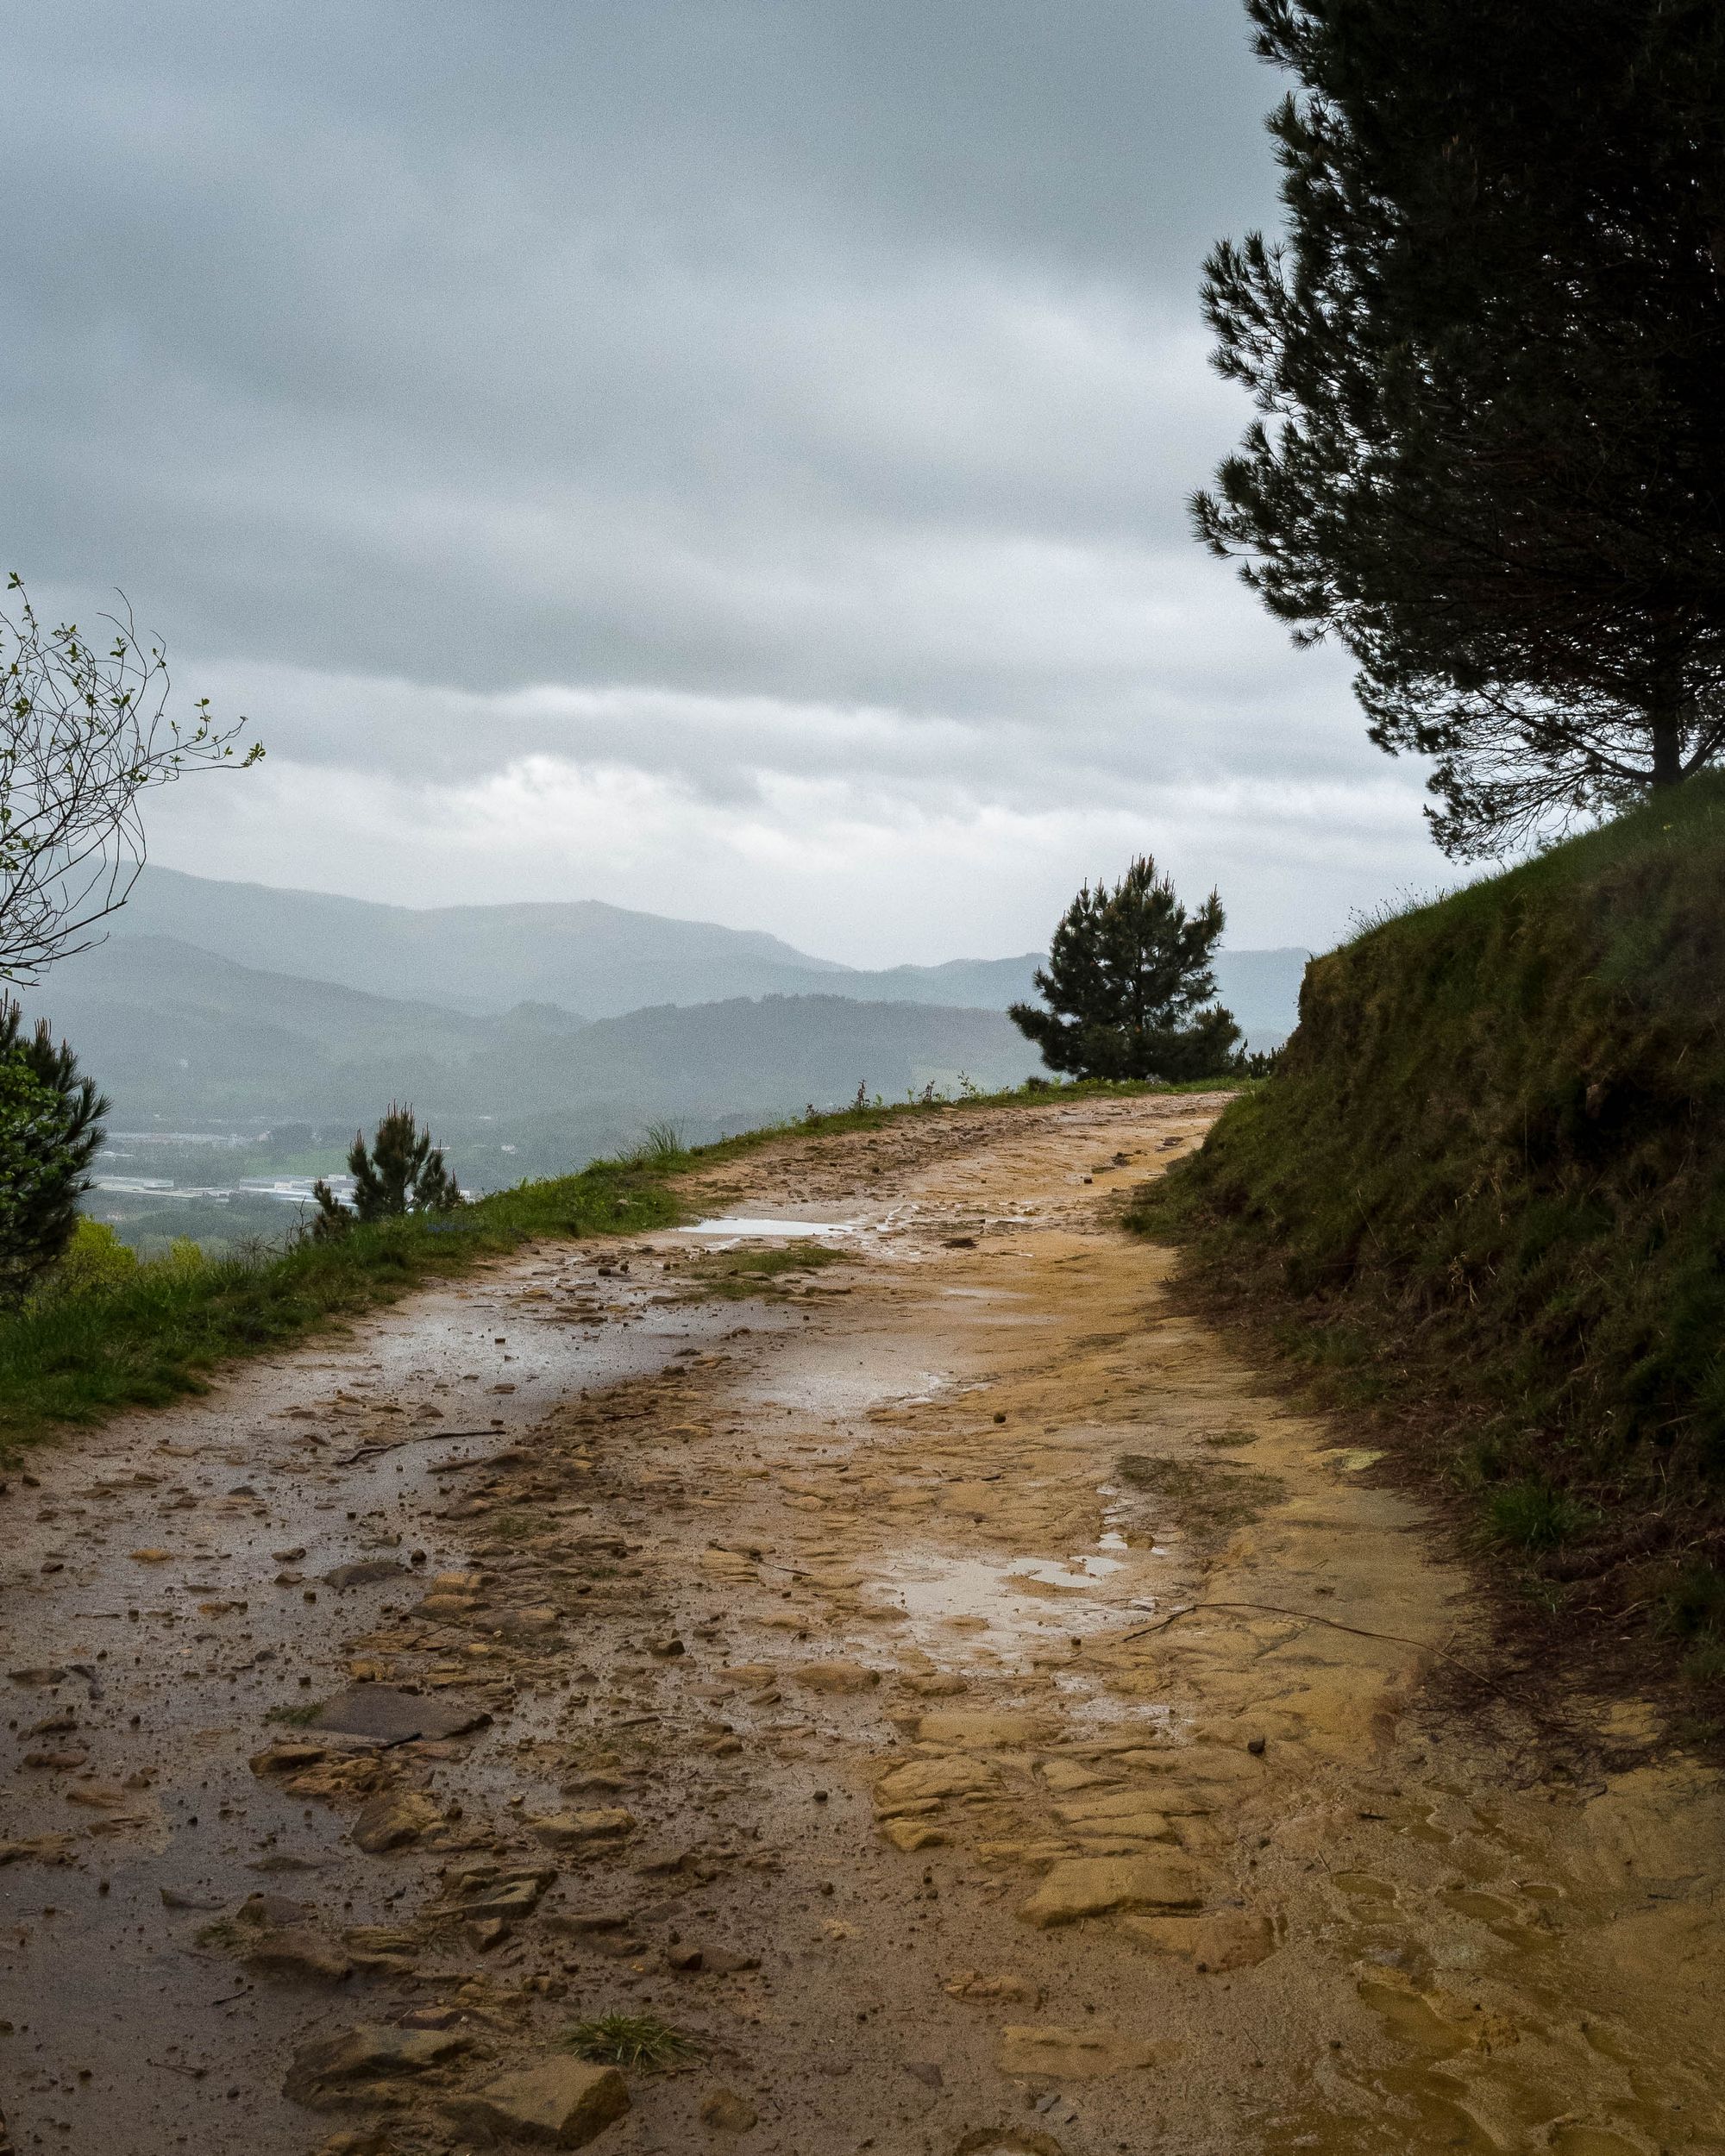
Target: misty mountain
(588,957)
(174,1034)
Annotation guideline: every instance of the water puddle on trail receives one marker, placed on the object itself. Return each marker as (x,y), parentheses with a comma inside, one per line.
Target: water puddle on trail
(999,1607)
(741,1230)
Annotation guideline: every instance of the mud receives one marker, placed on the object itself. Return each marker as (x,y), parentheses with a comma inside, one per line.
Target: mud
(945,1688)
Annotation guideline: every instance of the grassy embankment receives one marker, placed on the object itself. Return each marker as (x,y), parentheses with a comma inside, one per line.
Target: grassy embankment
(158,1329)
(1484,1197)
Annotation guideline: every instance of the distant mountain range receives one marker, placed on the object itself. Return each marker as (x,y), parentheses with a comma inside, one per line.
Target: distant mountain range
(176,1034)
(589,957)
(531,1036)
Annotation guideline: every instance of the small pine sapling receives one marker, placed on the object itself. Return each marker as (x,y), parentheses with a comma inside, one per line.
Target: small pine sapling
(402,1173)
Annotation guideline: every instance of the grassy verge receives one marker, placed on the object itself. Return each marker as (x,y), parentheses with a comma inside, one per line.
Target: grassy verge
(161,1329)
(144,1339)
(1483,1199)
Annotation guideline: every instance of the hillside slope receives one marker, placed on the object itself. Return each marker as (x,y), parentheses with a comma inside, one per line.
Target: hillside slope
(1491,1175)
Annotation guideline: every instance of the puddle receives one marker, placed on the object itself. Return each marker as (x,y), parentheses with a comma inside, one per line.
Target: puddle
(992,1605)
(740,1228)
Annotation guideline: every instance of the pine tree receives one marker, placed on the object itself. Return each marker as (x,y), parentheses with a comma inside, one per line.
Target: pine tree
(1128,985)
(50,1131)
(1491,458)
(403,1172)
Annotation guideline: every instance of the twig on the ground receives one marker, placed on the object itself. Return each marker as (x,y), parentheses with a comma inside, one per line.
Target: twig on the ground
(372,1450)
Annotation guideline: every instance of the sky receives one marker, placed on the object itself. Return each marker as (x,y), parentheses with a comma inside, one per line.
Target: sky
(724,457)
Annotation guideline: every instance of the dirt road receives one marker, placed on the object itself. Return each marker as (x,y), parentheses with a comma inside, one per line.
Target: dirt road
(943,1687)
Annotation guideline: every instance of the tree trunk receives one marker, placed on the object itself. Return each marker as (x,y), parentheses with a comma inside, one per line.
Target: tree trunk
(1667,733)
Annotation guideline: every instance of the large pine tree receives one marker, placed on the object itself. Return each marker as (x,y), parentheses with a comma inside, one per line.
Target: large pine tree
(1128,987)
(1487,353)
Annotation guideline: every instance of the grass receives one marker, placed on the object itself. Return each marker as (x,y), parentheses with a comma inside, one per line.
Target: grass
(159,1331)
(631,2039)
(1484,1197)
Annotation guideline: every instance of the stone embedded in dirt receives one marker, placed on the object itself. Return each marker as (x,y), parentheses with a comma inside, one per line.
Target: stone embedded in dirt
(300,1954)
(723,2111)
(41,1848)
(393,1819)
(172,1900)
(911,1835)
(362,2142)
(574,1830)
(666,1646)
(1062,1776)
(46,1674)
(934,1687)
(923,1781)
(1040,2050)
(1122,1812)
(835,1677)
(151,1557)
(364,1572)
(393,1716)
(559,2103)
(577,1922)
(1078,1887)
(925,2071)
(986,1732)
(1223,1940)
(362,2061)
(983,1990)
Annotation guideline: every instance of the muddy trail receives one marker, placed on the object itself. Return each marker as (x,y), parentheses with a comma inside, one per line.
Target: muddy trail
(929,1694)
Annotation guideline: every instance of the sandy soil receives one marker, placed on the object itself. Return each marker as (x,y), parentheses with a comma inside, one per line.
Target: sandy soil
(946,1688)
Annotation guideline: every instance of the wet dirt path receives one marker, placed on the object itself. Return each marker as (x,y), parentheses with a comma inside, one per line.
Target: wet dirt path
(945,1687)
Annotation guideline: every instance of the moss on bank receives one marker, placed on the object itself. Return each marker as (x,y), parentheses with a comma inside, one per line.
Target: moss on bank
(1488,1180)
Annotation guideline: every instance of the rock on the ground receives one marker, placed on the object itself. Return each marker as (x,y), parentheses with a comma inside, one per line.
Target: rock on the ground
(570,1830)
(559,2103)
(362,2062)
(1225,1938)
(393,1716)
(723,2111)
(393,1819)
(299,1953)
(1093,1886)
(835,1677)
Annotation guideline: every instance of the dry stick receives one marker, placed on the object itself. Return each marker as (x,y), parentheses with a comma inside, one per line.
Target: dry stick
(421,1436)
(1306,1617)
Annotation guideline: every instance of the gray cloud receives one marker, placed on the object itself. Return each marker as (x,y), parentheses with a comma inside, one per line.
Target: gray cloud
(607,444)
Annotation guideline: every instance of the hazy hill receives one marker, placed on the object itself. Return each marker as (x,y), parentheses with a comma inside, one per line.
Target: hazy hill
(588,957)
(173,1033)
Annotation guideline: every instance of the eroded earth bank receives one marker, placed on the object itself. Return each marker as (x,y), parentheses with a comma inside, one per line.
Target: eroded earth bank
(943,1687)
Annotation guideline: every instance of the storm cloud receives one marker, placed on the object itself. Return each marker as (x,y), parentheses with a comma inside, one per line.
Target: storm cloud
(726,458)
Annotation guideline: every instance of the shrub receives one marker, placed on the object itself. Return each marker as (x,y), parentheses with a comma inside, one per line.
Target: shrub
(403,1173)
(50,1129)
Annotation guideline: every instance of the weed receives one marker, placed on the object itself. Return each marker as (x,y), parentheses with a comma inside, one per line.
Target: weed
(1691,1601)
(631,2039)
(1533,1515)
(296,1717)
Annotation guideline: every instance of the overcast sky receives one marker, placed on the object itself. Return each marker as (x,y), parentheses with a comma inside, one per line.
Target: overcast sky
(726,457)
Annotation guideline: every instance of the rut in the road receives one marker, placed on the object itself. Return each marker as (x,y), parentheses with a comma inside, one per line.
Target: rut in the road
(815,1694)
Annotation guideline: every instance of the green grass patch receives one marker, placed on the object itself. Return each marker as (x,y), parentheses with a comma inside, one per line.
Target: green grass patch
(631,2039)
